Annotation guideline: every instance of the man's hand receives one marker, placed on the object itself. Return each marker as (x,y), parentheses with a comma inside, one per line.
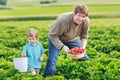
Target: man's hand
(66,49)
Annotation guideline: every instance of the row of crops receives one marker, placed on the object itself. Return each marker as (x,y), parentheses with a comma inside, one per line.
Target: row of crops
(103,49)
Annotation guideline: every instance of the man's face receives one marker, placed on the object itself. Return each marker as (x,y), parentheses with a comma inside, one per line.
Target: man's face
(79,18)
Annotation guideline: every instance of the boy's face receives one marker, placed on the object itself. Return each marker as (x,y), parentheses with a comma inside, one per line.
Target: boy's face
(32,40)
(79,18)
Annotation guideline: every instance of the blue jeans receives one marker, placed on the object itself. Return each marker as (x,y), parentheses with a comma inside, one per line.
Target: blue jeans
(54,53)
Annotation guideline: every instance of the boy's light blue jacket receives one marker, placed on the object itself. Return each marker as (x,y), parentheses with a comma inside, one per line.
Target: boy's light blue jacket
(34,53)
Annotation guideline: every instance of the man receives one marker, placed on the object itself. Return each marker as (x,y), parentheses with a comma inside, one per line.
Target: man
(64,35)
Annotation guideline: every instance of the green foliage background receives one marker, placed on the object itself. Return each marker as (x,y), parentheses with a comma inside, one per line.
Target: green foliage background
(103,45)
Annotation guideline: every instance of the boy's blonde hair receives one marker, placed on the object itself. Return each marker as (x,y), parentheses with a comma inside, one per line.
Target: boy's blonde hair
(81,8)
(32,33)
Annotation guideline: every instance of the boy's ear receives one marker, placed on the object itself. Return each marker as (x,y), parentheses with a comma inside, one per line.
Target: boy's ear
(26,37)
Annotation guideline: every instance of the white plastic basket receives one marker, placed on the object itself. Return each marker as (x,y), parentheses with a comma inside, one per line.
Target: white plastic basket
(21,64)
(76,56)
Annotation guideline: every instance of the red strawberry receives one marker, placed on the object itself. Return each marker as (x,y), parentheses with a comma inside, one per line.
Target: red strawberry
(77,50)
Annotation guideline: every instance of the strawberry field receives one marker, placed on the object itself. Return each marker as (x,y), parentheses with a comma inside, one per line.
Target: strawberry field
(103,48)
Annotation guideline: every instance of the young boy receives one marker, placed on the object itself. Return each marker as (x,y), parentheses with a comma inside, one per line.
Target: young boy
(34,51)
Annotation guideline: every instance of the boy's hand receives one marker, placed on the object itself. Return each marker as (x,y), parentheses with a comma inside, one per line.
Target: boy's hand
(23,54)
(41,59)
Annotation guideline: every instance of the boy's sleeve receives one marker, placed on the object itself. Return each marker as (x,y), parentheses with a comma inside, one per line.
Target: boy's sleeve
(24,49)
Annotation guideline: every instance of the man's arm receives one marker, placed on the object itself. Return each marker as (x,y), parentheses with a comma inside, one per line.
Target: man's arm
(84,35)
(83,43)
(56,30)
